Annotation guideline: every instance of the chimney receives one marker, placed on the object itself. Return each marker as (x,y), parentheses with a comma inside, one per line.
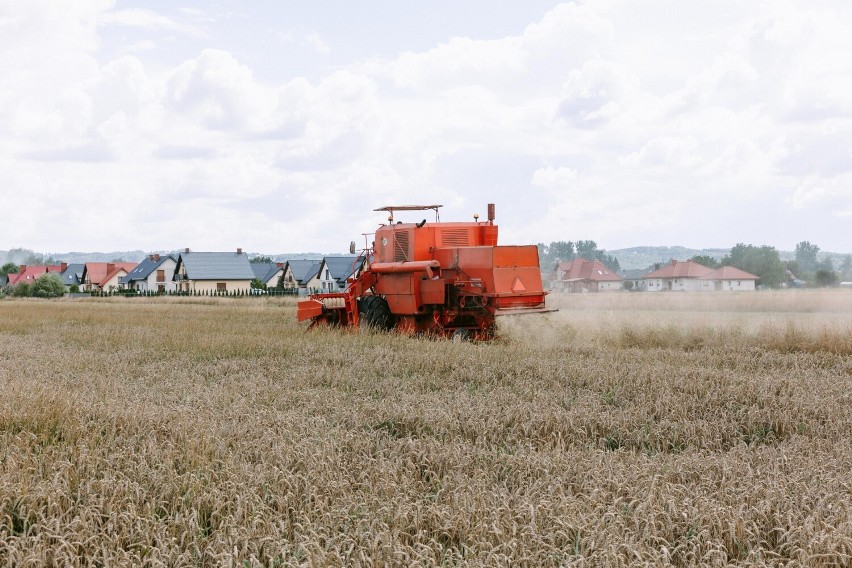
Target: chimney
(674,262)
(63,267)
(239,251)
(22,269)
(150,257)
(157,258)
(186,250)
(279,264)
(110,267)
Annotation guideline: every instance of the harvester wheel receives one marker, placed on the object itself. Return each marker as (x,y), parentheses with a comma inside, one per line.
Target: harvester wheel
(374,313)
(460,335)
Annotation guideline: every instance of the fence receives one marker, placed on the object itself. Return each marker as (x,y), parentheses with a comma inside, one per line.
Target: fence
(253,293)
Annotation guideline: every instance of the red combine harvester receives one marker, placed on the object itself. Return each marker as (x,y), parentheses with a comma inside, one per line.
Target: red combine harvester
(441,279)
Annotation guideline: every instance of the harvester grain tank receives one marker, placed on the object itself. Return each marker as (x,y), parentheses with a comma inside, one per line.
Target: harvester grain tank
(441,279)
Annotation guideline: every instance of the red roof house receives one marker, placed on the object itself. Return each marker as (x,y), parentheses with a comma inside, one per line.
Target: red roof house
(729,278)
(688,275)
(581,275)
(100,275)
(29,274)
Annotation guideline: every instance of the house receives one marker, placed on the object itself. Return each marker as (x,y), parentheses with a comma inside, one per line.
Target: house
(287,281)
(678,275)
(213,271)
(3,279)
(634,279)
(728,278)
(335,270)
(72,274)
(154,274)
(268,272)
(581,275)
(29,274)
(306,274)
(104,276)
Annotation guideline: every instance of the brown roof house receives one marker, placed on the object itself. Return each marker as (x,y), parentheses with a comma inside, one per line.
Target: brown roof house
(689,276)
(729,279)
(581,275)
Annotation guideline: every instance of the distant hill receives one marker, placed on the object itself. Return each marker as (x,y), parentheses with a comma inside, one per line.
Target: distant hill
(27,256)
(642,257)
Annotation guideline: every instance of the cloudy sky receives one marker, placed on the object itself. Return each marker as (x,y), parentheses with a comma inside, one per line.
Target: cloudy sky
(279,126)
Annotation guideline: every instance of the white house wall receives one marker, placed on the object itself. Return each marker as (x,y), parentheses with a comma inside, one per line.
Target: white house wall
(150,284)
(213,285)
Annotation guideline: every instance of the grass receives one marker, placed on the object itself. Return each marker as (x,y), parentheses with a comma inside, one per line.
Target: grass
(668,429)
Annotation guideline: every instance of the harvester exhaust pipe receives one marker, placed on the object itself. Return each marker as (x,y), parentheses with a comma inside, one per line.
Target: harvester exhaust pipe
(491,212)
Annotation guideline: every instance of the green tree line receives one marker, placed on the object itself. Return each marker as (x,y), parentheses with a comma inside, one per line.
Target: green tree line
(562,251)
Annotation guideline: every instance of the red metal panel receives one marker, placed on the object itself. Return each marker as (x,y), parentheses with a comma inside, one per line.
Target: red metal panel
(402,303)
(506,256)
(395,284)
(308,309)
(433,291)
(475,257)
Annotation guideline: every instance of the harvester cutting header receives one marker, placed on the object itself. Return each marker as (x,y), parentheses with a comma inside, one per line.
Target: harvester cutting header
(441,279)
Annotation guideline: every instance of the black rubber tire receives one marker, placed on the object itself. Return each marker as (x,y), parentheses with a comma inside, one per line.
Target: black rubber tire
(461,335)
(374,313)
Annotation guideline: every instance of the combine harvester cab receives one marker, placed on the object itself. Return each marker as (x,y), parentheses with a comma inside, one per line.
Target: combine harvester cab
(440,279)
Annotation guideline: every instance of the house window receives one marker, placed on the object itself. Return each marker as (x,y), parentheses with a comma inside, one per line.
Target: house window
(220,286)
(738,282)
(326,273)
(161,276)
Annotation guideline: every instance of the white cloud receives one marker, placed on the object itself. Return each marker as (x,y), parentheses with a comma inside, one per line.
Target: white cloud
(147,20)
(316,42)
(621,123)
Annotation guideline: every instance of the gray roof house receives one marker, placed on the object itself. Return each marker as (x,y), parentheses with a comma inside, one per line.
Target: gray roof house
(268,272)
(154,274)
(72,274)
(213,271)
(336,269)
(305,272)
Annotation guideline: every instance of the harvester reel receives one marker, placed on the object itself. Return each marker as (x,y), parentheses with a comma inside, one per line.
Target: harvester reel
(374,313)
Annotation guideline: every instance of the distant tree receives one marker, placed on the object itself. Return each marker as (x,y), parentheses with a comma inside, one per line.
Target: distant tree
(258,284)
(562,251)
(21,290)
(48,286)
(806,256)
(587,249)
(827,263)
(74,289)
(119,259)
(826,278)
(610,262)
(261,260)
(846,267)
(793,266)
(763,261)
(9,268)
(705,260)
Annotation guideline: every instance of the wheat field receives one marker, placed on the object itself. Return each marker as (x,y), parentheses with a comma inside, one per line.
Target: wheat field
(626,429)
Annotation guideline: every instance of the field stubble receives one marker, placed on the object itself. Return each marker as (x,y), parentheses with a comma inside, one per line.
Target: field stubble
(625,429)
